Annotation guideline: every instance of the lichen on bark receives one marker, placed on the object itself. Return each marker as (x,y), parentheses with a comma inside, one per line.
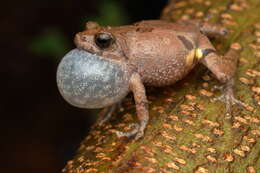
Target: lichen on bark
(187,132)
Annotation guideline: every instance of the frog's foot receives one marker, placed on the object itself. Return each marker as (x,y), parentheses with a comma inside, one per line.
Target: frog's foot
(136,131)
(228,97)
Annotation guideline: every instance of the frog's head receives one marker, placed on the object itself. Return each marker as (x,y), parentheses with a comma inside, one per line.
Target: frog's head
(96,74)
(87,80)
(104,41)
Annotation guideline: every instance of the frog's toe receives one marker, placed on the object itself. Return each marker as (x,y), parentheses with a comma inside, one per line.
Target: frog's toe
(217,87)
(134,132)
(229,99)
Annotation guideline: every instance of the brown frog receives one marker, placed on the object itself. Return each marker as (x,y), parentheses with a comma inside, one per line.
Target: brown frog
(111,61)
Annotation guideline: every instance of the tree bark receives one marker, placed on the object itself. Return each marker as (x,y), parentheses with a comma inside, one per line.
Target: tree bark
(188,132)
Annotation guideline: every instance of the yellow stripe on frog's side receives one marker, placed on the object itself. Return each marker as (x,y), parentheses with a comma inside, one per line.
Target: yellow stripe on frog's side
(194,53)
(190,57)
(199,53)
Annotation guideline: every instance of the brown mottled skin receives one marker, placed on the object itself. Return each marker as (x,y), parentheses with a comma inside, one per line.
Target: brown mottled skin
(160,53)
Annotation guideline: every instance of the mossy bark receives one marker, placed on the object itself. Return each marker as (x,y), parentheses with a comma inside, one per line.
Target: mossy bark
(187,132)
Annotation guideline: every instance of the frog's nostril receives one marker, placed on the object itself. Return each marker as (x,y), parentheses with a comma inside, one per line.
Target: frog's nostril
(84,38)
(80,38)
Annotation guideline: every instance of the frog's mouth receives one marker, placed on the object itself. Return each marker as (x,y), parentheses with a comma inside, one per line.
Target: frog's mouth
(87,80)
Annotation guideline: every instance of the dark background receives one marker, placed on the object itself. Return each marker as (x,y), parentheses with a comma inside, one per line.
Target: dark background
(39,131)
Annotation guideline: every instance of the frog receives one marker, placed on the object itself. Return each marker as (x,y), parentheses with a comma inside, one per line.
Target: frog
(111,61)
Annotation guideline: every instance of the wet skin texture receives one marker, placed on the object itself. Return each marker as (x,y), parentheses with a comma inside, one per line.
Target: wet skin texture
(154,53)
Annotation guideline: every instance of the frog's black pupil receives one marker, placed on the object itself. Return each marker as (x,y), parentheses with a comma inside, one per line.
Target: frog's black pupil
(103,40)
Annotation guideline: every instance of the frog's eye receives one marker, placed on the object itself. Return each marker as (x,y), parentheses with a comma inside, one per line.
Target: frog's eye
(104,40)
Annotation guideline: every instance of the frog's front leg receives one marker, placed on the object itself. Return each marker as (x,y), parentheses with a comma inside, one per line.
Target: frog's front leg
(223,68)
(137,87)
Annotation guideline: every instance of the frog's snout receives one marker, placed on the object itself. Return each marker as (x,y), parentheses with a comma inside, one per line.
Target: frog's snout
(89,81)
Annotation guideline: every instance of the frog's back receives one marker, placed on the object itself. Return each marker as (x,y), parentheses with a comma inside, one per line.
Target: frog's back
(163,52)
(181,26)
